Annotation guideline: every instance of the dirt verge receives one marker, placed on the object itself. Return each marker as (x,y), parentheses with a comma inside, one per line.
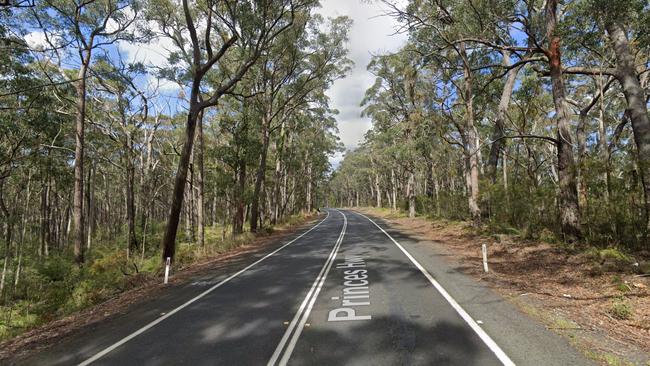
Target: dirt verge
(601,306)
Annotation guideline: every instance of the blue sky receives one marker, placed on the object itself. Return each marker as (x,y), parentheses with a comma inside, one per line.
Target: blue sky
(371,33)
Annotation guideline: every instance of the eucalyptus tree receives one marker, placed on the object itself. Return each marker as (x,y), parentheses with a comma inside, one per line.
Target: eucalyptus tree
(396,102)
(79,29)
(127,109)
(219,41)
(304,61)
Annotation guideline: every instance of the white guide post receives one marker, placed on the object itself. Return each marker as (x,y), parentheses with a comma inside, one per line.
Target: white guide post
(167,266)
(484,250)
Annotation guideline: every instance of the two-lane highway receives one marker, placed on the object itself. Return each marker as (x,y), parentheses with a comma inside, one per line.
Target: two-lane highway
(343,292)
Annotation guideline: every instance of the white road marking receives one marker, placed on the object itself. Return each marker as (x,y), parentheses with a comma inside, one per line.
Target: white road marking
(189,302)
(305,308)
(492,345)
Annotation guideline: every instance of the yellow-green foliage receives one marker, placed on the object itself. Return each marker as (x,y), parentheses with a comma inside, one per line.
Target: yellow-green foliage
(621,309)
(16,319)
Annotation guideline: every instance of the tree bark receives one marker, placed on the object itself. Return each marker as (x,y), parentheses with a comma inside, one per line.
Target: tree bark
(410,193)
(259,177)
(393,180)
(499,123)
(238,199)
(471,146)
(78,214)
(308,188)
(636,103)
(568,193)
(199,184)
(377,190)
(169,240)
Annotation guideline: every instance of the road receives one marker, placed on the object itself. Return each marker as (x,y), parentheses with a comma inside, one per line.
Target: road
(349,290)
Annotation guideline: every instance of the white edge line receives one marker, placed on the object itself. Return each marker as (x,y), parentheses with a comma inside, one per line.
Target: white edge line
(301,326)
(296,317)
(194,299)
(492,345)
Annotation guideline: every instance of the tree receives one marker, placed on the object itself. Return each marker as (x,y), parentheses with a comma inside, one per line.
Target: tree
(243,32)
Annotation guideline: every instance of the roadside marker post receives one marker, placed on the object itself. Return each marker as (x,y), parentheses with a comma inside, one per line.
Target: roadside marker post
(167,266)
(484,250)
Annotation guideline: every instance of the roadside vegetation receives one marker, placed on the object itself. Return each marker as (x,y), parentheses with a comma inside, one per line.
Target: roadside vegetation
(523,117)
(111,163)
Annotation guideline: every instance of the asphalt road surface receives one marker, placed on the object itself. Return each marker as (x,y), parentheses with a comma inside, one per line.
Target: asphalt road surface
(348,290)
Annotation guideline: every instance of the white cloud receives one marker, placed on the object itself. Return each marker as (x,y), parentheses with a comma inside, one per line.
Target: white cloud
(153,54)
(37,41)
(371,33)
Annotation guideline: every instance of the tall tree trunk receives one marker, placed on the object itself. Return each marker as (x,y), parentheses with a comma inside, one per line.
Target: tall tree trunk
(377,190)
(169,240)
(238,199)
(277,201)
(8,226)
(261,173)
(130,198)
(78,213)
(636,104)
(568,192)
(393,181)
(45,217)
(498,140)
(471,149)
(23,231)
(199,184)
(145,194)
(308,188)
(581,139)
(89,208)
(410,193)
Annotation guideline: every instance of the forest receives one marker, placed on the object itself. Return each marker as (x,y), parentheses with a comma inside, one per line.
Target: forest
(108,163)
(524,117)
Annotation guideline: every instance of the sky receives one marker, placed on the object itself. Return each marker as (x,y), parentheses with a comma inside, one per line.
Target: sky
(371,33)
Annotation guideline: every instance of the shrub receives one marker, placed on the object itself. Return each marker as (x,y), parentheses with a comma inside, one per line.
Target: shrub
(621,309)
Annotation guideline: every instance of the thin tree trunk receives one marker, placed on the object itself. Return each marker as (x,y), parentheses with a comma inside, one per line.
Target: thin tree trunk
(45,220)
(78,214)
(199,183)
(498,141)
(259,178)
(89,208)
(410,193)
(377,190)
(19,248)
(309,183)
(394,186)
(8,225)
(238,199)
(472,146)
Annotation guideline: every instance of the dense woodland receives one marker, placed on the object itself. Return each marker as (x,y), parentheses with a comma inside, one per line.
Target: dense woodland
(525,117)
(104,171)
